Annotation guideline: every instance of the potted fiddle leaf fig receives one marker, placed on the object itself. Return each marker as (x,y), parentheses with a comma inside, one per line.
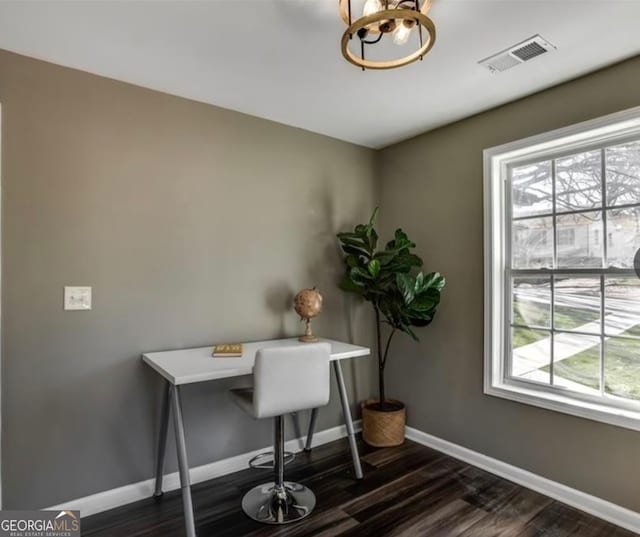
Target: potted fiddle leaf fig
(403,298)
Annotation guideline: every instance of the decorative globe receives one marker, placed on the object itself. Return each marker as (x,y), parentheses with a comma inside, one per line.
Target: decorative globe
(308,304)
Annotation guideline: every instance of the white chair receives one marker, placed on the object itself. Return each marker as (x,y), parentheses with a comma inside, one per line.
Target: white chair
(286,380)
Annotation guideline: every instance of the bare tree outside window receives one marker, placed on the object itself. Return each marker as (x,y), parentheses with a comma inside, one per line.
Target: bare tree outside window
(575,228)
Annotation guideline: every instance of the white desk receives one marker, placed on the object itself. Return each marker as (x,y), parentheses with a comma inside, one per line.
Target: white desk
(188,366)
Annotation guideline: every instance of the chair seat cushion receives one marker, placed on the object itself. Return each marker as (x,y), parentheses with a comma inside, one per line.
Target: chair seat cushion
(243,397)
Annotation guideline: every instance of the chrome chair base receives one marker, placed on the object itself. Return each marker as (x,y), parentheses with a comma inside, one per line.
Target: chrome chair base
(270,504)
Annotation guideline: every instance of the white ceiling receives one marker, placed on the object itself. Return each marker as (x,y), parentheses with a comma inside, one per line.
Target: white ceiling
(280,59)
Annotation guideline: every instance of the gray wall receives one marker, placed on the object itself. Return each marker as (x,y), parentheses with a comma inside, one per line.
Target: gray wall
(432,186)
(194,225)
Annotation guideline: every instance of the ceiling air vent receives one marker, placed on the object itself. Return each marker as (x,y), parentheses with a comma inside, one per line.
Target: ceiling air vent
(521,52)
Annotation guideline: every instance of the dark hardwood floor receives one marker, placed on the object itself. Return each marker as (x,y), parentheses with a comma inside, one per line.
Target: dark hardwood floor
(408,491)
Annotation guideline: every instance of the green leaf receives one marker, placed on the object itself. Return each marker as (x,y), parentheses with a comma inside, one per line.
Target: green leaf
(399,247)
(352,261)
(348,235)
(407,329)
(422,311)
(411,259)
(423,318)
(358,243)
(404,262)
(431,292)
(374,216)
(358,274)
(424,302)
(372,238)
(419,282)
(436,280)
(385,257)
(386,276)
(399,267)
(355,251)
(421,323)
(406,287)
(374,268)
(400,236)
(402,240)
(348,285)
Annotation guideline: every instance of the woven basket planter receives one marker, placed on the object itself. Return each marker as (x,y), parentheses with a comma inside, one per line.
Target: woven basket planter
(383,428)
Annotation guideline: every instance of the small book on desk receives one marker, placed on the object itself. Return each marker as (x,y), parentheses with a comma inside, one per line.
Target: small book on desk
(227,350)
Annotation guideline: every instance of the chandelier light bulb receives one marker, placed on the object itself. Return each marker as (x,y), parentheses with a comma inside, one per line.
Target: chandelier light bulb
(371,7)
(401,34)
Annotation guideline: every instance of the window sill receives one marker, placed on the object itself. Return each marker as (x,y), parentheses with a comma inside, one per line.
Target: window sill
(629,419)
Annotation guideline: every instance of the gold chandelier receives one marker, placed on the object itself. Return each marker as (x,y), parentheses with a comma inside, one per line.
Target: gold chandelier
(397,18)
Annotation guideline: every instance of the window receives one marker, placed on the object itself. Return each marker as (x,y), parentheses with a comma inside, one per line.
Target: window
(567,236)
(562,307)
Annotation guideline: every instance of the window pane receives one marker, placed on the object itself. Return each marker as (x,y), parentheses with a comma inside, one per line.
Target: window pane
(531,189)
(622,306)
(623,174)
(579,244)
(576,362)
(578,182)
(532,243)
(623,236)
(622,368)
(532,302)
(577,303)
(531,354)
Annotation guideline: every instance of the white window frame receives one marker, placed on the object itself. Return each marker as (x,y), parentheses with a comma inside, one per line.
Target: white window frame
(607,130)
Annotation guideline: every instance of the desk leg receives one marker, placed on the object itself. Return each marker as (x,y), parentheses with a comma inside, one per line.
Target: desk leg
(312,427)
(183,466)
(347,419)
(162,438)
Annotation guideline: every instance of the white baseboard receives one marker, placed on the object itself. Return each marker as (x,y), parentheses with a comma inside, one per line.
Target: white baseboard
(109,499)
(593,505)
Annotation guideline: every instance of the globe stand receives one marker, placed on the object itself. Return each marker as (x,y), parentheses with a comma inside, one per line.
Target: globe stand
(308,336)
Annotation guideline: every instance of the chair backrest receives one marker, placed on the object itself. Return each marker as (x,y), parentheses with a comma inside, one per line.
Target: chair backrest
(289,379)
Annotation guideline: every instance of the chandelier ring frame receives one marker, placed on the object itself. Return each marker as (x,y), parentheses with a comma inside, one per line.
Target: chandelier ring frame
(344,7)
(396,14)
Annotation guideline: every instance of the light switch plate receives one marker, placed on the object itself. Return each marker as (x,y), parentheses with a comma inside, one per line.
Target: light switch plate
(77,298)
